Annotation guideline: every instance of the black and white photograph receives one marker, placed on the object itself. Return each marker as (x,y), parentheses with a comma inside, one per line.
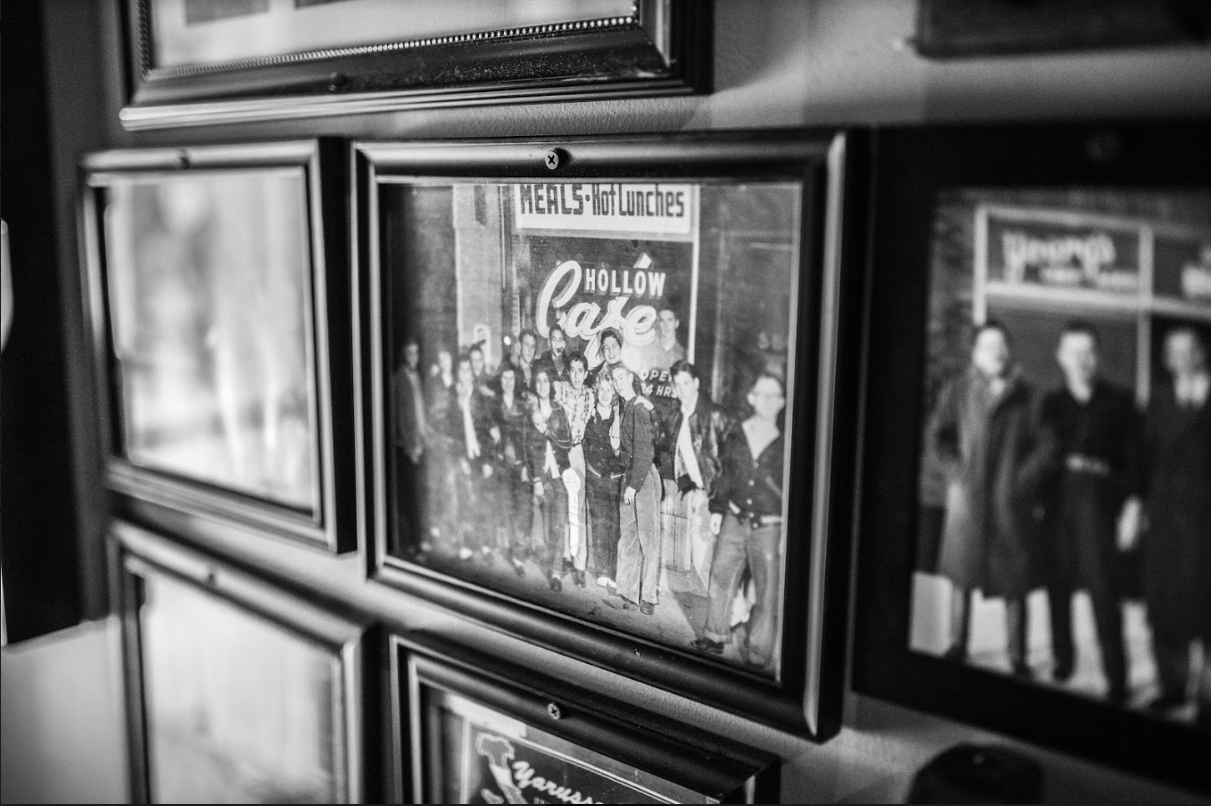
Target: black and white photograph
(586,399)
(1063,524)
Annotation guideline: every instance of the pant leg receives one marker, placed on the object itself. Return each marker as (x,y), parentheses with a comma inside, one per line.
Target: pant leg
(630,552)
(1173,663)
(727,567)
(1108,624)
(556,511)
(648,513)
(702,542)
(578,521)
(521,513)
(764,562)
(603,500)
(1017,620)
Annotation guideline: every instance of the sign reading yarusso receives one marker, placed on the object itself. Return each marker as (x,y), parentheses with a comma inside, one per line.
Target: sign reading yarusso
(605,207)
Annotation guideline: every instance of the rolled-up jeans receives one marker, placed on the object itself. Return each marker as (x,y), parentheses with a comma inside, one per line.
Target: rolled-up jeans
(759,549)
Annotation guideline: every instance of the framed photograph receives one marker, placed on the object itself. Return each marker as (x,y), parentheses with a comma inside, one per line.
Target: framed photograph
(599,390)
(463,734)
(201,62)
(237,692)
(219,301)
(966,28)
(1035,539)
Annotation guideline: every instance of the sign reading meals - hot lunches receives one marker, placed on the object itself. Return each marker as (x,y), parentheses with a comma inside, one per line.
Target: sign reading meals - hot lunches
(605,207)
(1061,254)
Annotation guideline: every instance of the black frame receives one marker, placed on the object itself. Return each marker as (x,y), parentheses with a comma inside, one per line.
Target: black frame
(663,47)
(807,699)
(911,167)
(136,553)
(332,526)
(712,766)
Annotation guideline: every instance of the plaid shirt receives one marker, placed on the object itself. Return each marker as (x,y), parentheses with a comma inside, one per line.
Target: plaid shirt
(578,406)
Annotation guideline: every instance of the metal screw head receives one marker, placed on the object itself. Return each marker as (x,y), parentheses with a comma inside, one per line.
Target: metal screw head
(336,81)
(1104,147)
(182,160)
(553,711)
(553,159)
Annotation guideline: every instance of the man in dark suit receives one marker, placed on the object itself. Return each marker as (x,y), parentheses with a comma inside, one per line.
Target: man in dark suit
(1098,481)
(1177,547)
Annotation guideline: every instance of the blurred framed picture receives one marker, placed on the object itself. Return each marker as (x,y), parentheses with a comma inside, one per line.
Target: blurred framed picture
(196,62)
(463,734)
(1035,553)
(236,691)
(218,299)
(600,382)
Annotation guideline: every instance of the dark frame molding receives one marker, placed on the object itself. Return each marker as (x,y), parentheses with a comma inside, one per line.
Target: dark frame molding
(806,700)
(331,526)
(663,47)
(912,165)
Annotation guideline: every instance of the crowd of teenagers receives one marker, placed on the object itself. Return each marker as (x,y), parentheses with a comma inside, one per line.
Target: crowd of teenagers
(581,471)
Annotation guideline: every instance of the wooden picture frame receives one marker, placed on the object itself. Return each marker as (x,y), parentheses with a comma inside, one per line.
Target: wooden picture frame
(235,688)
(790,189)
(546,737)
(305,59)
(1033,244)
(218,303)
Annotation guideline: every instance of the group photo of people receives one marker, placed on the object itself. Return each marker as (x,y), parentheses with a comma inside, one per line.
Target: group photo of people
(1064,519)
(589,434)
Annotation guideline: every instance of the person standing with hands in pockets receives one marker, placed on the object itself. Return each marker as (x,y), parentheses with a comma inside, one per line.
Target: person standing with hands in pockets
(746,517)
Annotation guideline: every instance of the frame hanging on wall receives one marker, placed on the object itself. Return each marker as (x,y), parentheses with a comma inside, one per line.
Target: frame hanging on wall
(219,307)
(195,62)
(537,320)
(1034,552)
(237,691)
(463,734)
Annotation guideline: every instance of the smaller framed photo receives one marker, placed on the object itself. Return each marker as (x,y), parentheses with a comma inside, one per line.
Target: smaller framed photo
(1035,535)
(236,691)
(464,735)
(201,62)
(218,297)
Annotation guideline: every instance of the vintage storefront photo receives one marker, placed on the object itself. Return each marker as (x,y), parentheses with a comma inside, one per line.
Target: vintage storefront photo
(593,394)
(1049,449)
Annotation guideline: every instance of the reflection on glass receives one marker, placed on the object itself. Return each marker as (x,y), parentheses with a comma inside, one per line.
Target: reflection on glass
(1063,511)
(209,283)
(238,711)
(478,755)
(651,500)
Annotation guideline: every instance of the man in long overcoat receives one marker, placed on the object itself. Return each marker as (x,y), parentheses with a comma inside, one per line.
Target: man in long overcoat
(986,432)
(1177,548)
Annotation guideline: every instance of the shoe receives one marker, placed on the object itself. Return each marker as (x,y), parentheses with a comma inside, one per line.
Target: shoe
(647,608)
(1063,671)
(1165,702)
(578,578)
(603,581)
(519,568)
(465,553)
(1022,671)
(619,602)
(705,644)
(556,585)
(957,652)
